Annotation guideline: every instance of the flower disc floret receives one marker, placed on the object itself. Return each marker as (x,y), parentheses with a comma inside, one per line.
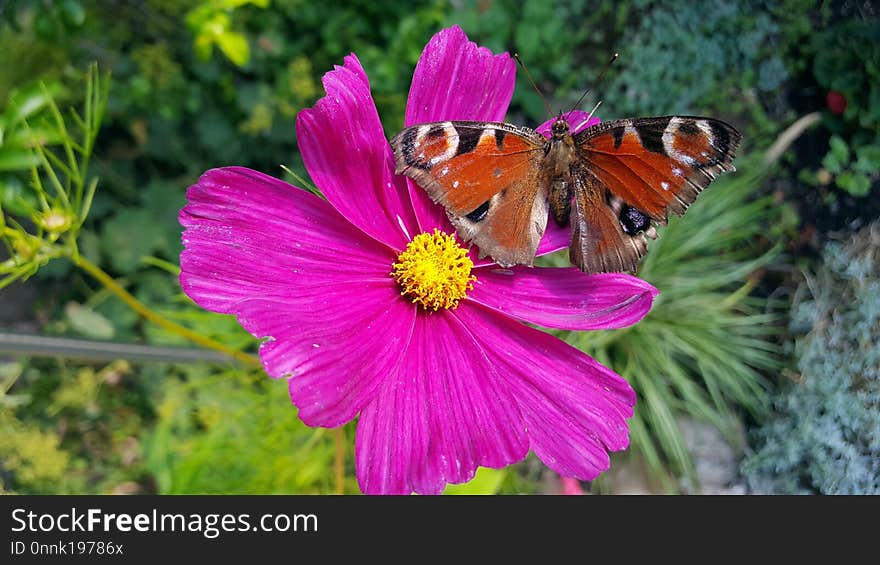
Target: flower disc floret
(434,271)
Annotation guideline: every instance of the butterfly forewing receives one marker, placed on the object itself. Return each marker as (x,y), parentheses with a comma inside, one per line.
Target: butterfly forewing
(486,176)
(658,165)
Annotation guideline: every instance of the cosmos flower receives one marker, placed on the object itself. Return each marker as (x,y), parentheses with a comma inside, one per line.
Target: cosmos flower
(369,306)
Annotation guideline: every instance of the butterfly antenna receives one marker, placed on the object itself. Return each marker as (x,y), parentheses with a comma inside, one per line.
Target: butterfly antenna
(595,83)
(593,111)
(532,82)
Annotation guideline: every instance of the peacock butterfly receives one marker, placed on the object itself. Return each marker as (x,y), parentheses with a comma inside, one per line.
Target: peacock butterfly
(499,182)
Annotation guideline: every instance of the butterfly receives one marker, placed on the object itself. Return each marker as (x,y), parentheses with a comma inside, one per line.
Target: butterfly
(612,182)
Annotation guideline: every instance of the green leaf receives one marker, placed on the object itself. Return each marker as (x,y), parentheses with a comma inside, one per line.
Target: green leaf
(232,4)
(87,322)
(25,103)
(203,44)
(130,235)
(867,159)
(26,138)
(832,164)
(854,183)
(486,481)
(839,149)
(17,159)
(15,197)
(235,46)
(73,12)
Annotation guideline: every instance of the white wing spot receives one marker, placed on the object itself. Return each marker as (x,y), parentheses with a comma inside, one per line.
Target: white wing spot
(676,171)
(444,171)
(664,185)
(455,184)
(488,136)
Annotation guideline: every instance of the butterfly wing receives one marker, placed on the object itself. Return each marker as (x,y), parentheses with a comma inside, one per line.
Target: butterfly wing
(599,244)
(635,170)
(488,177)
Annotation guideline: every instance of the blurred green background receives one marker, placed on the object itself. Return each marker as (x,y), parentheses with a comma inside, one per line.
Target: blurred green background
(758,370)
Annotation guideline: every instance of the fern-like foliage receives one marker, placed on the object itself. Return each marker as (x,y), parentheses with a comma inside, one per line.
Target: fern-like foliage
(702,349)
(825,435)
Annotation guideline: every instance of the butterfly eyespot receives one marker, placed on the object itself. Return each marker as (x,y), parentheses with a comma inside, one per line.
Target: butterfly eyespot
(633,221)
(480,213)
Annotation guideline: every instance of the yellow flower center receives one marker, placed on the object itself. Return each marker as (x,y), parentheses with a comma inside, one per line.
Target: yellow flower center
(434,271)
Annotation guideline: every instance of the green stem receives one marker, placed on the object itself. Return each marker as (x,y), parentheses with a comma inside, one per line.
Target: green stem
(339,459)
(156,318)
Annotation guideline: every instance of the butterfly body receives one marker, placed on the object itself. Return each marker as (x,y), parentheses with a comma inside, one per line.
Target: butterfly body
(611,182)
(560,153)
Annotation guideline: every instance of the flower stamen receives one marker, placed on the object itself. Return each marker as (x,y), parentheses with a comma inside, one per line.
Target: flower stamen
(434,271)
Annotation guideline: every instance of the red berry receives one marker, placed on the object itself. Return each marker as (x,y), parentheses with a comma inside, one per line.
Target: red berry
(836,102)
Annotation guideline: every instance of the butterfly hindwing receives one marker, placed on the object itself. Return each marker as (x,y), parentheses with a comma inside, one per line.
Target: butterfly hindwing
(487,177)
(658,165)
(599,242)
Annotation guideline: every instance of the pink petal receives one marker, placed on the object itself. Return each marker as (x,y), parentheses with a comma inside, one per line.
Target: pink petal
(575,409)
(455,80)
(337,353)
(345,151)
(249,234)
(293,270)
(577,120)
(564,298)
(555,238)
(439,417)
(570,486)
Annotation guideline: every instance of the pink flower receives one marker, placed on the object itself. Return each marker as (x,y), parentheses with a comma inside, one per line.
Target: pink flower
(441,386)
